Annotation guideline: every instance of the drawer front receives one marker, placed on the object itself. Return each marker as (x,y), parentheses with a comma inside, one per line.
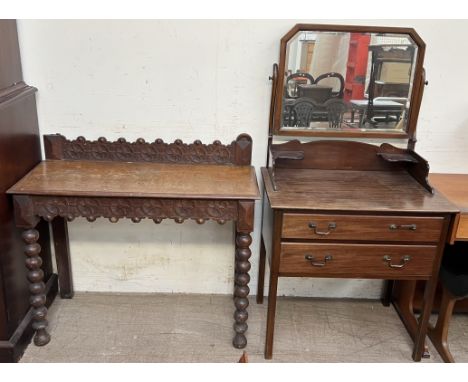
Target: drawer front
(357,260)
(362,227)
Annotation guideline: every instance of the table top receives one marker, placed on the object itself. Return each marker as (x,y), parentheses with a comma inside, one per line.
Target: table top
(454,187)
(138,179)
(346,190)
(376,102)
(314,86)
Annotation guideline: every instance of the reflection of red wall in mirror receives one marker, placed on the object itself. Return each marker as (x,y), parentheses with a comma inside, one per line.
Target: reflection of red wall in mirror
(357,66)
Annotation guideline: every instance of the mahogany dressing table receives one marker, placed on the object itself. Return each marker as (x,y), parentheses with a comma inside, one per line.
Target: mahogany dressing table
(139,180)
(336,206)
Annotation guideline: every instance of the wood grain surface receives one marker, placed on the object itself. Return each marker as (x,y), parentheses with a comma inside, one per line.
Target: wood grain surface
(348,190)
(362,227)
(357,260)
(129,179)
(455,188)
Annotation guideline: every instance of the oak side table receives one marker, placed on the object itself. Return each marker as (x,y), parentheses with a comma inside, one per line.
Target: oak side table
(115,180)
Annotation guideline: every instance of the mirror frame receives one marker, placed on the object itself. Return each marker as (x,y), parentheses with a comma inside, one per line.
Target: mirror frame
(416,95)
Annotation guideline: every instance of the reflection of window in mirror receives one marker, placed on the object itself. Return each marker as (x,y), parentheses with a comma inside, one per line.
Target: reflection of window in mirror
(330,55)
(307,52)
(397,72)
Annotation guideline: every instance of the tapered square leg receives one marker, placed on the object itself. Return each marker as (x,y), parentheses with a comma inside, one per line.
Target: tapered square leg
(261,272)
(272,293)
(423,320)
(273,288)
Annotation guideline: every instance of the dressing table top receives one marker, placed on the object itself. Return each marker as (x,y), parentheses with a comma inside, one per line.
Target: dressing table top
(346,190)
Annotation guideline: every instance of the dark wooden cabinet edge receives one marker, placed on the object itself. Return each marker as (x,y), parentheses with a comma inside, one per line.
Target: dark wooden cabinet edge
(15,93)
(18,104)
(13,349)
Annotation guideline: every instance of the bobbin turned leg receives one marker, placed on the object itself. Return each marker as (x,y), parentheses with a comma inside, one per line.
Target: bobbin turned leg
(241,289)
(37,287)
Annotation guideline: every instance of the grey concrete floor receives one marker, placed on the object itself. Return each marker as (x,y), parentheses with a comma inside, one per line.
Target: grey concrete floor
(96,327)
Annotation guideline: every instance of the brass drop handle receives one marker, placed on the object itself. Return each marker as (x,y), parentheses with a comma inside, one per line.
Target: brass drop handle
(331,227)
(403,261)
(410,227)
(318,263)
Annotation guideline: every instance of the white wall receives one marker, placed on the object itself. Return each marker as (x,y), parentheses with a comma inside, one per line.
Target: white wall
(200,80)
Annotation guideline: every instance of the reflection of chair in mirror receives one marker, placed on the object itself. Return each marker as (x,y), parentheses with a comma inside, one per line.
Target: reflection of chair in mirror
(296,79)
(303,110)
(335,109)
(287,115)
(339,93)
(454,279)
(390,76)
(387,110)
(391,89)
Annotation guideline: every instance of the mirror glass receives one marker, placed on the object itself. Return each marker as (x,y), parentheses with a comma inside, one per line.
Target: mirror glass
(348,81)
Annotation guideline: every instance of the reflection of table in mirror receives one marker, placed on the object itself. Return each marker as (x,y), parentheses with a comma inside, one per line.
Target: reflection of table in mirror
(385,108)
(316,93)
(116,180)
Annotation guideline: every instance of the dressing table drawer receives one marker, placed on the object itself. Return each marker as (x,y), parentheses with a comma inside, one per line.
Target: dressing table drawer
(362,227)
(357,260)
